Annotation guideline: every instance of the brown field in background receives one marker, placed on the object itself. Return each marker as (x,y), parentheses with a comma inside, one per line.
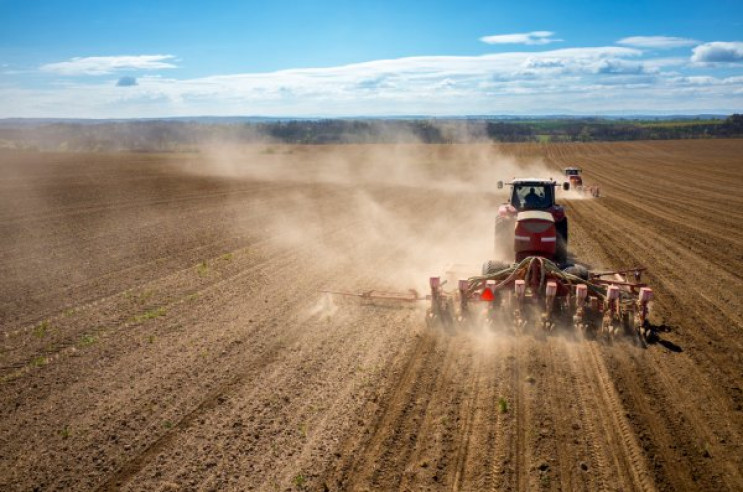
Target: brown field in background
(162,329)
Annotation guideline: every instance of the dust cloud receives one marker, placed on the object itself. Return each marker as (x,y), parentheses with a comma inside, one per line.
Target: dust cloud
(449,168)
(409,211)
(573,194)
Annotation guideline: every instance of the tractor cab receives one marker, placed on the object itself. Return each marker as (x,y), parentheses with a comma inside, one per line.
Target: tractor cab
(533,194)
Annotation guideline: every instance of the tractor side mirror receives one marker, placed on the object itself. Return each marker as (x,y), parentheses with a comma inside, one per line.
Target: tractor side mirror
(566,186)
(500,185)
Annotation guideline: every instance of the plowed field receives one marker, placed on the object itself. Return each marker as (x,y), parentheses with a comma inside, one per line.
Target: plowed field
(162,327)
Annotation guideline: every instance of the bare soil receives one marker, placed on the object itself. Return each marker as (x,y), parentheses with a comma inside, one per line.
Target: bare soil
(162,326)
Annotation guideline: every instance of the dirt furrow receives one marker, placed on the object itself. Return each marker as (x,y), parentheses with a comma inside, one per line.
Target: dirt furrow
(516,476)
(486,435)
(561,421)
(385,435)
(628,454)
(600,473)
(468,420)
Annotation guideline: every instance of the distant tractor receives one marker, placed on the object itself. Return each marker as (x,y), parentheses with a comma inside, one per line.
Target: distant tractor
(531,223)
(574,176)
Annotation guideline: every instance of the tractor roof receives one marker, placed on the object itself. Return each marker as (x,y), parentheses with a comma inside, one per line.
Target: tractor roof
(536,181)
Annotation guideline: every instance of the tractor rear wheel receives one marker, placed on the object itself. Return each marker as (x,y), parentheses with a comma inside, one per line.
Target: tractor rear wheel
(562,229)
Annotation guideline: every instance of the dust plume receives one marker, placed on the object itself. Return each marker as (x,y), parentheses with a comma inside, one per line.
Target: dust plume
(407,211)
(444,167)
(573,194)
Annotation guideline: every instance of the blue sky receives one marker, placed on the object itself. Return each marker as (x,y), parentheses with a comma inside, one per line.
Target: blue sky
(347,58)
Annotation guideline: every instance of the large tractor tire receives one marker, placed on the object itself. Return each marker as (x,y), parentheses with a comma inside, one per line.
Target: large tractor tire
(562,229)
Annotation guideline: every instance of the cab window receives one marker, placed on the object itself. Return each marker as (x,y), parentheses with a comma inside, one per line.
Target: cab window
(531,196)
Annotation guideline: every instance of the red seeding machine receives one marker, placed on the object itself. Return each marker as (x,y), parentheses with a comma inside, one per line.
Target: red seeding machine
(541,290)
(575,178)
(535,294)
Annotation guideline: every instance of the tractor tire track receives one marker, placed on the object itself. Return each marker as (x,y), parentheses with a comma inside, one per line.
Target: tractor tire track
(468,431)
(631,461)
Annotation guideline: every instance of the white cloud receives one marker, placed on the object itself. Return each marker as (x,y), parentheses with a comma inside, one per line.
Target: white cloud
(102,65)
(718,52)
(542,62)
(588,80)
(619,66)
(705,80)
(530,38)
(662,63)
(657,42)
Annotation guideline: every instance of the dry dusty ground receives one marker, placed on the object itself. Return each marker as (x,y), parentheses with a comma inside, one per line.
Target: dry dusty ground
(162,327)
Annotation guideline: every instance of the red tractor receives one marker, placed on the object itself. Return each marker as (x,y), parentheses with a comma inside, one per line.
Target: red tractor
(573,174)
(536,285)
(531,223)
(574,177)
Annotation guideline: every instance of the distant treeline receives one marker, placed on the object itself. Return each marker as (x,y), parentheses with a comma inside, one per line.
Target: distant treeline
(169,135)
